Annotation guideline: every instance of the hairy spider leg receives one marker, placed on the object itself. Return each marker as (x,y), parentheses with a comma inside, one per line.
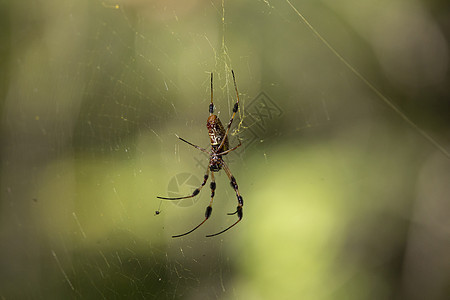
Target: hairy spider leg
(235,109)
(208,208)
(195,192)
(193,145)
(238,211)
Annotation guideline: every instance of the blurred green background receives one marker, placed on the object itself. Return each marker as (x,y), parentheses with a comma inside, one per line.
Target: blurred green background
(343,199)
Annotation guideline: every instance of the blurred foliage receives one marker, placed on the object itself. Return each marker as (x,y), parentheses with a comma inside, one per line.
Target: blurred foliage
(343,198)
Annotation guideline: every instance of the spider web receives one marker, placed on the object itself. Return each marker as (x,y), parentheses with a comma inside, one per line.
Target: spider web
(97,92)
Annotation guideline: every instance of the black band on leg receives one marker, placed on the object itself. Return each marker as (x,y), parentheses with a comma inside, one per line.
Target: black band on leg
(233,183)
(239,212)
(208,212)
(240,200)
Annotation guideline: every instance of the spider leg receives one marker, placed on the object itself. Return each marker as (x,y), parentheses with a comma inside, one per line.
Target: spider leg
(234,185)
(211,105)
(229,150)
(235,109)
(193,145)
(195,192)
(208,208)
(238,211)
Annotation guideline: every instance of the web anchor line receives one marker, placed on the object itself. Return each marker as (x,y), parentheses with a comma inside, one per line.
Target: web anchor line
(388,102)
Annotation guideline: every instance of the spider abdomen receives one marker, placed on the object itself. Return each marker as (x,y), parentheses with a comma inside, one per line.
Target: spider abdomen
(216,134)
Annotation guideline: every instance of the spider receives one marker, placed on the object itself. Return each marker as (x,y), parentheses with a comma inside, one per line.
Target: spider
(219,146)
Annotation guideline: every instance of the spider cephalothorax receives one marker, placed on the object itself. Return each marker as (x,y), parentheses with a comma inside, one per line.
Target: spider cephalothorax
(215,162)
(219,146)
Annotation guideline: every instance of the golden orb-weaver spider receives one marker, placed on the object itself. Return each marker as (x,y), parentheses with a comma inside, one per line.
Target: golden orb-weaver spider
(219,146)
